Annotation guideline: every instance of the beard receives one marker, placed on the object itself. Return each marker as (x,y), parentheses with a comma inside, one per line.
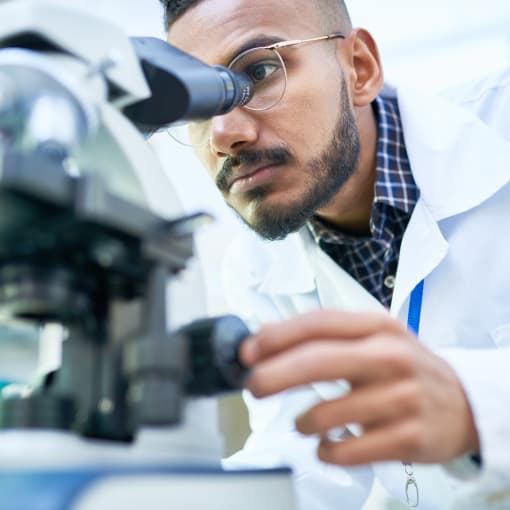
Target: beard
(327,174)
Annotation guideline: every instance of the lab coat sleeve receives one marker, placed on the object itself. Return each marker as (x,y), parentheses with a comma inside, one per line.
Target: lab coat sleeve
(484,374)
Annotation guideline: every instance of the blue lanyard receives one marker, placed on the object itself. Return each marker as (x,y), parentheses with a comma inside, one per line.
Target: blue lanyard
(413,316)
(413,323)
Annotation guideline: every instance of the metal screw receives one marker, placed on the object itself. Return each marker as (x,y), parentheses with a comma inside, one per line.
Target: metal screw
(106,406)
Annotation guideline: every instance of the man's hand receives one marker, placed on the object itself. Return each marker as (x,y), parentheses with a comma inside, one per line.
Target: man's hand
(409,401)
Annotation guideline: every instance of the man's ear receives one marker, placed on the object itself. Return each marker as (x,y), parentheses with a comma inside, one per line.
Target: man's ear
(364,72)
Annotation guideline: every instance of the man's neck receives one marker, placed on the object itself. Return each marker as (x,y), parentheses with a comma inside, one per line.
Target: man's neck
(350,208)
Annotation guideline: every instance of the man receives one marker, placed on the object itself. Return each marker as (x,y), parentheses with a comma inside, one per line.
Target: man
(372,201)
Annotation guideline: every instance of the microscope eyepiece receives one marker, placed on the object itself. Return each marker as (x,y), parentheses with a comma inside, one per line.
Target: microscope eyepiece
(182,87)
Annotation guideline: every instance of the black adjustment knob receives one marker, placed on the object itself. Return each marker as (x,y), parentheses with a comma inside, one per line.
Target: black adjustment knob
(214,355)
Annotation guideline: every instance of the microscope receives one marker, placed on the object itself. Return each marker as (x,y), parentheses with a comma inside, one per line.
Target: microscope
(91,237)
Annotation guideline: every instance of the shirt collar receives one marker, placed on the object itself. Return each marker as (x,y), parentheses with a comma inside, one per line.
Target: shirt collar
(394,182)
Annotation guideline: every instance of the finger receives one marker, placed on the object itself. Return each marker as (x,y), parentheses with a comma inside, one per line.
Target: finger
(367,405)
(377,360)
(395,441)
(319,324)
(322,360)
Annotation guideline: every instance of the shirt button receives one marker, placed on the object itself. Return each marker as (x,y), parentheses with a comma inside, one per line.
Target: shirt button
(389,282)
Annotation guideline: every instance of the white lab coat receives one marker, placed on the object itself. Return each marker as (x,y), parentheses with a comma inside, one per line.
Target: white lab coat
(458,241)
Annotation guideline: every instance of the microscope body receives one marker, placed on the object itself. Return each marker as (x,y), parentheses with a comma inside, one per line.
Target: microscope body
(92,234)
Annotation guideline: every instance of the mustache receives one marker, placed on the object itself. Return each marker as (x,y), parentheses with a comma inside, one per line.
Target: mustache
(274,156)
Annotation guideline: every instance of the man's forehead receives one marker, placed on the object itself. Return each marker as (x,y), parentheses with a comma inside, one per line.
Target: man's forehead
(217,30)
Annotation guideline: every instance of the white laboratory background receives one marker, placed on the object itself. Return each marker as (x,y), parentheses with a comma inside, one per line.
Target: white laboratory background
(429,45)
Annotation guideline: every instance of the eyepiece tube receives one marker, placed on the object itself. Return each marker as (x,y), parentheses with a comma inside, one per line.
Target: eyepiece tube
(183,88)
(238,88)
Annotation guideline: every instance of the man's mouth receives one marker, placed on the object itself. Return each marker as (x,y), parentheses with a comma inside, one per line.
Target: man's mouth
(249,178)
(250,168)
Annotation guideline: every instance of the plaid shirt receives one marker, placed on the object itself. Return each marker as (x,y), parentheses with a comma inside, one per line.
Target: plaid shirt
(373,260)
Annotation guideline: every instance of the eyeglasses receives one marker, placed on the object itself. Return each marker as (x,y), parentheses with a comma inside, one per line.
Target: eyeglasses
(266,68)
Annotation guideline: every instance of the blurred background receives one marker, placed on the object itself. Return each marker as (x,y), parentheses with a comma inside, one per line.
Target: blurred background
(431,44)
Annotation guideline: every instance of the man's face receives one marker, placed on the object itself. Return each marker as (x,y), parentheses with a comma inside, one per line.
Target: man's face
(276,167)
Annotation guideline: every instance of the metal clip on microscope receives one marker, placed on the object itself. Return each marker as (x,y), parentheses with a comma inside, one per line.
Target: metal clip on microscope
(82,245)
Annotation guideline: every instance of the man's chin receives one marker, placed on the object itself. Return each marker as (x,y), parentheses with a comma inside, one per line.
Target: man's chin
(272,214)
(274,224)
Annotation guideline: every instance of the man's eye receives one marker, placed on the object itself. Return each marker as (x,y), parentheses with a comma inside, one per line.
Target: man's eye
(261,71)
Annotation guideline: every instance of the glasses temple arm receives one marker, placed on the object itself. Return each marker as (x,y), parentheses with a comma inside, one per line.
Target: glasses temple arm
(297,42)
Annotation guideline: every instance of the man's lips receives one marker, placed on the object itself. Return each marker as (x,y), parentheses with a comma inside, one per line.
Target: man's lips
(249,178)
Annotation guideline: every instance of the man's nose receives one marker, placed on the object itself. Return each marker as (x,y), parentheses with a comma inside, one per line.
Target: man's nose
(233,132)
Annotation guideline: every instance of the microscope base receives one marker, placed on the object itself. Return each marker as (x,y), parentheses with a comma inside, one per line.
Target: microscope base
(147,488)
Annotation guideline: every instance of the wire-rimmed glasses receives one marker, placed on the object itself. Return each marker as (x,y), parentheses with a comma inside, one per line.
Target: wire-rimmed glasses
(265,66)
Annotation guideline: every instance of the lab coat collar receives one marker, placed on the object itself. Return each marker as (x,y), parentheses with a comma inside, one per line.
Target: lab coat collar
(423,248)
(457,160)
(300,267)
(289,271)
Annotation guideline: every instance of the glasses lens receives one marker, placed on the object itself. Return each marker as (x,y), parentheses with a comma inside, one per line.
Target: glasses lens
(267,72)
(191,134)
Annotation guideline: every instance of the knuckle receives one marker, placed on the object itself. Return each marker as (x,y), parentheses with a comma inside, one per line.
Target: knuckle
(386,323)
(394,355)
(336,453)
(400,358)
(413,439)
(408,397)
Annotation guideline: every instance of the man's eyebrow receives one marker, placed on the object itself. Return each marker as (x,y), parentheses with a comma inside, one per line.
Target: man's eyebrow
(256,42)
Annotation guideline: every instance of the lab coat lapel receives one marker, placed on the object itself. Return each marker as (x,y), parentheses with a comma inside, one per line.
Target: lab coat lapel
(457,162)
(335,287)
(303,277)
(290,279)
(423,248)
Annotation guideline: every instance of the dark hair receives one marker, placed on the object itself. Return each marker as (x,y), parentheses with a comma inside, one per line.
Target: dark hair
(175,8)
